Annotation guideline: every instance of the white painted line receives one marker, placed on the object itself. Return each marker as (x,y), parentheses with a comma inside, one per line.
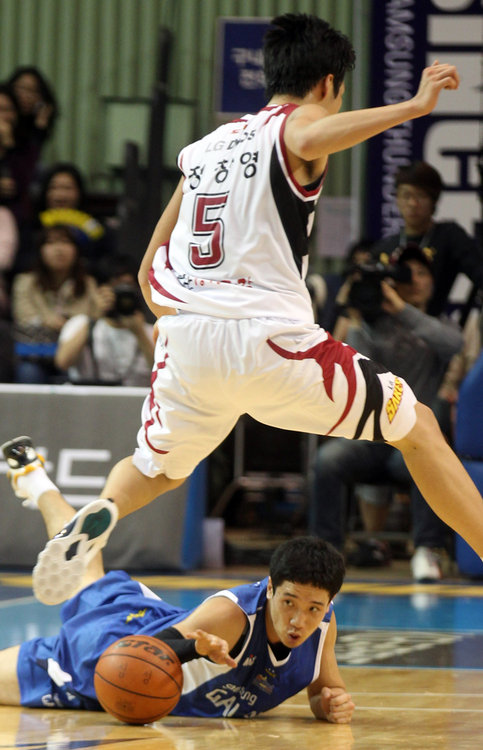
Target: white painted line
(21,600)
(424,695)
(396,708)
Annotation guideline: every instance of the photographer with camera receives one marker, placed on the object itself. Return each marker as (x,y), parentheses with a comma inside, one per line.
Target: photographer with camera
(388,323)
(118,348)
(418,188)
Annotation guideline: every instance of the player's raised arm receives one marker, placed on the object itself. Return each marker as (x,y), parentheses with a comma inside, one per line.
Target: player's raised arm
(328,697)
(313,132)
(161,235)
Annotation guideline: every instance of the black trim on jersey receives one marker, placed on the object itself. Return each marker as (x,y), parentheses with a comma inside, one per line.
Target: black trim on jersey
(374,398)
(294,213)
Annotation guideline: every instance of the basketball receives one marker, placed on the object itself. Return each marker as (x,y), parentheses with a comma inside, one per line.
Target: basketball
(138,679)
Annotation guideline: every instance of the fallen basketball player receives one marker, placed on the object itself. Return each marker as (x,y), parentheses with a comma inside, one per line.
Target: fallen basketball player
(243,651)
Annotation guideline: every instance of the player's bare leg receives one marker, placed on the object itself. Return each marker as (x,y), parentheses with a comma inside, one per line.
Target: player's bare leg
(9,687)
(131,490)
(442,479)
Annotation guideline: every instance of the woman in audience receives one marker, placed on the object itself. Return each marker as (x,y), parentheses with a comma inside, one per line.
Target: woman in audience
(62,200)
(44,299)
(37,103)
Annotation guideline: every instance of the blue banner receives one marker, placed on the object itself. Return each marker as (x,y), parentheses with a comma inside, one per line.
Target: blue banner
(407,36)
(240,83)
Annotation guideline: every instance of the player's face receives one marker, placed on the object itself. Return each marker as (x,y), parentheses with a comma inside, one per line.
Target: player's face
(294,612)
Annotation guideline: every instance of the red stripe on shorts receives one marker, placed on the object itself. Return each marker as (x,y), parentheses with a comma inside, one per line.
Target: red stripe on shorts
(156,285)
(150,422)
(327,354)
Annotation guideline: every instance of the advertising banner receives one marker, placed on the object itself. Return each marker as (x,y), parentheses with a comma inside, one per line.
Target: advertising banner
(82,432)
(407,36)
(240,83)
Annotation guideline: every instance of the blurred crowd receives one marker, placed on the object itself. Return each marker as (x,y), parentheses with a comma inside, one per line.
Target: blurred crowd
(70,308)
(393,305)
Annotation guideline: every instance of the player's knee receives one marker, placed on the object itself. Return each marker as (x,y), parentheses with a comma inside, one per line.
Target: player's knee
(173,483)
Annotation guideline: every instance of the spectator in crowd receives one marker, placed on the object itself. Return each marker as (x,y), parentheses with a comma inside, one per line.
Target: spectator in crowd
(44,299)
(8,249)
(390,325)
(418,189)
(62,200)
(446,403)
(9,139)
(358,254)
(117,348)
(37,103)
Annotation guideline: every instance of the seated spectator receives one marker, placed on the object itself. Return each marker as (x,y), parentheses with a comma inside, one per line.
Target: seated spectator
(18,159)
(43,300)
(37,103)
(118,348)
(358,254)
(62,201)
(418,189)
(8,249)
(393,329)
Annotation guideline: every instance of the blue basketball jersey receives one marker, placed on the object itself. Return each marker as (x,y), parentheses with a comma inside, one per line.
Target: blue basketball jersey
(59,671)
(259,682)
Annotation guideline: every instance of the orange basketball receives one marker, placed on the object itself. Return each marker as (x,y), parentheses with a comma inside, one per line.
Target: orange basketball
(138,679)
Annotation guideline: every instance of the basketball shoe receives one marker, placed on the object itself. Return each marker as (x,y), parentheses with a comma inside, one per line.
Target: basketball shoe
(21,458)
(61,565)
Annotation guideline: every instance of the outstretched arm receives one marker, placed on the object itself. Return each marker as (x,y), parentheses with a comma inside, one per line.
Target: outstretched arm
(327,695)
(312,133)
(161,234)
(212,630)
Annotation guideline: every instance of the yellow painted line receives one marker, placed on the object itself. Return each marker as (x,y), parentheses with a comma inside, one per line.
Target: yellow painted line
(193,583)
(383,589)
(21,581)
(162,582)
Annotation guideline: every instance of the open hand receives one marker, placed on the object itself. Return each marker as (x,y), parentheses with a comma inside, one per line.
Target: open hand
(337,705)
(433,80)
(213,647)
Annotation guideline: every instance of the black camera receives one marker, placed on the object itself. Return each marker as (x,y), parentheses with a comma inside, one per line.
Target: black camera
(127,301)
(366,292)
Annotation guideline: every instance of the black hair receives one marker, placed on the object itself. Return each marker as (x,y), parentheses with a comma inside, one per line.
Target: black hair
(46,92)
(115,265)
(42,271)
(421,175)
(5,90)
(308,560)
(61,168)
(299,51)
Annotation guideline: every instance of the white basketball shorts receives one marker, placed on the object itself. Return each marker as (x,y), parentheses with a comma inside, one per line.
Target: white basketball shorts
(210,371)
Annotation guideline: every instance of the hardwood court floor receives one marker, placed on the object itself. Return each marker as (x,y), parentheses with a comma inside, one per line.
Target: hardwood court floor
(412,659)
(402,709)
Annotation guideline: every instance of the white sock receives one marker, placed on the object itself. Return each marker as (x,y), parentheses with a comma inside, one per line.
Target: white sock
(34,484)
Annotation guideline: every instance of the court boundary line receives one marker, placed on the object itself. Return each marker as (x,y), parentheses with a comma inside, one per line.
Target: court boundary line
(21,600)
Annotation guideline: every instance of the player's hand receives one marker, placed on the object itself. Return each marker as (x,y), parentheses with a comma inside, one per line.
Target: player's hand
(337,705)
(210,645)
(433,80)
(392,302)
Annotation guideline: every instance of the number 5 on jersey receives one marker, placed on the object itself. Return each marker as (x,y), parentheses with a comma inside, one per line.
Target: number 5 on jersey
(207,222)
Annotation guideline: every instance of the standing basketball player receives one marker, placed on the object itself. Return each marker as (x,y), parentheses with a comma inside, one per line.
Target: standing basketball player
(229,254)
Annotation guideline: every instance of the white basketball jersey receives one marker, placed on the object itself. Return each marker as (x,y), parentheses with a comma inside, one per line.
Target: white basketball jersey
(240,246)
